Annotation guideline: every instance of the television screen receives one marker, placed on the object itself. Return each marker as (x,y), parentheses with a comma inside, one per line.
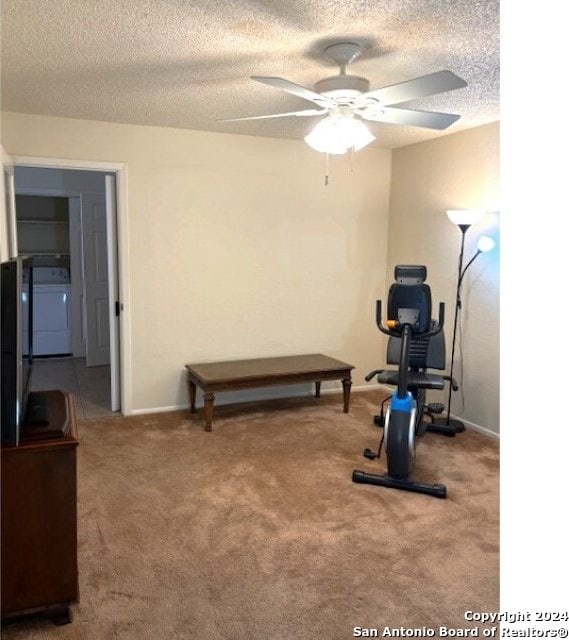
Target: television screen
(15,344)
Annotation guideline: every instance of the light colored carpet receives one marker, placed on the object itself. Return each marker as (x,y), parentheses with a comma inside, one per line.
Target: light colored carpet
(255,531)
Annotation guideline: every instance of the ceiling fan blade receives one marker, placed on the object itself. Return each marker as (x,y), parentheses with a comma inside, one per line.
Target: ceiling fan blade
(305,112)
(295,89)
(409,117)
(422,87)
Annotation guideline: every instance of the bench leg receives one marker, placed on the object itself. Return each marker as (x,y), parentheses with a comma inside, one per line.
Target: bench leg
(317,394)
(346,386)
(192,392)
(208,409)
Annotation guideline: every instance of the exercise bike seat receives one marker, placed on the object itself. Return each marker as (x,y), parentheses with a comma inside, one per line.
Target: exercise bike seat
(416,379)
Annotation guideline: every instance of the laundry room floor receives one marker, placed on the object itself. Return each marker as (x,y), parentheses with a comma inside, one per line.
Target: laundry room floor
(90,386)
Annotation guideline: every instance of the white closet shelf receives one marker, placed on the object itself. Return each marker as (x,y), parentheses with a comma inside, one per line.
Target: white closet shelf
(36,221)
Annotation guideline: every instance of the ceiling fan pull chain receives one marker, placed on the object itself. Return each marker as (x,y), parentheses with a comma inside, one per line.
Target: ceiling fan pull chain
(327,176)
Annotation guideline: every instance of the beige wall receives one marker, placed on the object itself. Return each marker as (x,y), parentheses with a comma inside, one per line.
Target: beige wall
(237,249)
(458,171)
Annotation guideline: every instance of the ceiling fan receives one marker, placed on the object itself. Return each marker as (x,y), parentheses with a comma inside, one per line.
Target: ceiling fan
(346,100)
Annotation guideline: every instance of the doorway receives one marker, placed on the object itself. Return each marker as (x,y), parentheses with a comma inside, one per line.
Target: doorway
(75,235)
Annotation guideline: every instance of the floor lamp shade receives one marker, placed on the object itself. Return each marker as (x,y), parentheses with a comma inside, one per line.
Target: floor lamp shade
(466,217)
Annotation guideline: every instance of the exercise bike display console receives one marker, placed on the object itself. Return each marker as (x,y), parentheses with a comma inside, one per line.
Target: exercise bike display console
(416,343)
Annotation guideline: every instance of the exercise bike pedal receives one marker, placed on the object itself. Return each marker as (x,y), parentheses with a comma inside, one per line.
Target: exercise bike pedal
(435,407)
(379,421)
(369,454)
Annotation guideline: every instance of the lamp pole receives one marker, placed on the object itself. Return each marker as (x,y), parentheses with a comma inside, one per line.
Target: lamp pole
(449,425)
(453,422)
(457,424)
(463,219)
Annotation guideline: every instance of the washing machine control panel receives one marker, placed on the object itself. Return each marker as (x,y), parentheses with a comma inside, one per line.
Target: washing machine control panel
(51,275)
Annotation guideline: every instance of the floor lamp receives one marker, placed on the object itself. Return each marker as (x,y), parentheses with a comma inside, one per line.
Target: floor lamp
(464,219)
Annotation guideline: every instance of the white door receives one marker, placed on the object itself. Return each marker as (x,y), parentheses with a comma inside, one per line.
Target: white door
(96,279)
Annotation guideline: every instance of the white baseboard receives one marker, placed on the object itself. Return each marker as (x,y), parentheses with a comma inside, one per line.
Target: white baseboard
(174,407)
(257,395)
(251,395)
(477,427)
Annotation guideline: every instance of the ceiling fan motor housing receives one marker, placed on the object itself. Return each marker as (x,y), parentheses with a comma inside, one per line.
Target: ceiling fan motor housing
(342,87)
(343,53)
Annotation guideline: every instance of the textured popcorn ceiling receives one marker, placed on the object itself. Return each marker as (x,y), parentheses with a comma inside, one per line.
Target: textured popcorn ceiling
(187,63)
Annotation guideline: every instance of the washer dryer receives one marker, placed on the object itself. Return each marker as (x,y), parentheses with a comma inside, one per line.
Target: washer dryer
(52,311)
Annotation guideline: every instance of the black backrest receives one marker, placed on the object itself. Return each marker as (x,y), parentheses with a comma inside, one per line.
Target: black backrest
(424,353)
(409,291)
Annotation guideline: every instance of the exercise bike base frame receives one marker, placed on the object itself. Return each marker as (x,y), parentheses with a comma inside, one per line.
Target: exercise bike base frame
(436,490)
(448,425)
(438,427)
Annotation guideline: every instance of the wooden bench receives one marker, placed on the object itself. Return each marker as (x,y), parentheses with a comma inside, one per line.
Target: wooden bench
(264,372)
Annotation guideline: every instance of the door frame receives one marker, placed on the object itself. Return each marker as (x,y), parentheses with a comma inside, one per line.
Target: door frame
(8,245)
(119,268)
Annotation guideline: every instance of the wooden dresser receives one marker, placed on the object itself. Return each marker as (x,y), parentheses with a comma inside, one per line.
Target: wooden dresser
(39,515)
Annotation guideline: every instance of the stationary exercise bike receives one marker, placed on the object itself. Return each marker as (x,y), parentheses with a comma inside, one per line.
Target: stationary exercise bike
(416,343)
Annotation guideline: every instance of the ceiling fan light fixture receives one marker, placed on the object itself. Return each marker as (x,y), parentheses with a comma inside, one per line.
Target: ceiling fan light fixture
(338,133)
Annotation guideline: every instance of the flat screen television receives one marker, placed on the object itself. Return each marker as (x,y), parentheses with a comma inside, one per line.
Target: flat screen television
(16,333)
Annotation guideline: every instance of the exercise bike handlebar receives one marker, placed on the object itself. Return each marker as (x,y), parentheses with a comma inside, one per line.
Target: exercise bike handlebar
(397,334)
(452,381)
